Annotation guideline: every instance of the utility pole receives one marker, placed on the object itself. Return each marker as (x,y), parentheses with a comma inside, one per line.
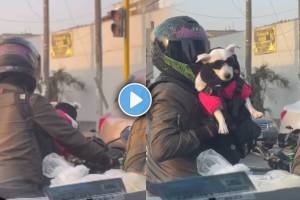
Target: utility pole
(98,49)
(126,41)
(248,42)
(46,49)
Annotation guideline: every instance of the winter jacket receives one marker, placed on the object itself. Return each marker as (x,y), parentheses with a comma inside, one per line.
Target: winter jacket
(136,147)
(21,141)
(177,131)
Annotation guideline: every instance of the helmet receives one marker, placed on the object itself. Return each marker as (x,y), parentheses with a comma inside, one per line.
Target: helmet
(17,55)
(175,46)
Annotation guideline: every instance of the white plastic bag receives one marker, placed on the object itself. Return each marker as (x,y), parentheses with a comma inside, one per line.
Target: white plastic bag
(209,163)
(64,173)
(70,176)
(61,171)
(275,180)
(53,164)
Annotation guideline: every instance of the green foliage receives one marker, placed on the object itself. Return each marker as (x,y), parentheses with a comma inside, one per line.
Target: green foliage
(261,79)
(61,79)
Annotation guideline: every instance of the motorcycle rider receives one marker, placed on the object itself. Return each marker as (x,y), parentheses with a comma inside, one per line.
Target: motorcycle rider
(28,123)
(177,127)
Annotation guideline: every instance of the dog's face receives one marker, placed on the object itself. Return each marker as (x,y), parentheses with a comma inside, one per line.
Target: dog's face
(220,61)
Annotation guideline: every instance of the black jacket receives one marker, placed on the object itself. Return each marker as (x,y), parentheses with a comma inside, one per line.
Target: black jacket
(176,131)
(21,151)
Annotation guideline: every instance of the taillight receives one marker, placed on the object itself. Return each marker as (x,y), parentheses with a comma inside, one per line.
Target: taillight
(282,114)
(102,122)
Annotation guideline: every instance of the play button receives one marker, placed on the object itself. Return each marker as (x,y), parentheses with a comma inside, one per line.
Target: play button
(134,99)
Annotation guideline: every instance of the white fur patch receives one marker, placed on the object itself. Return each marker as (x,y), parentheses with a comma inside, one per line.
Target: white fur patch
(199,83)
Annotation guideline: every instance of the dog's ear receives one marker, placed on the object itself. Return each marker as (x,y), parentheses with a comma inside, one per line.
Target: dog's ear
(204,58)
(231,48)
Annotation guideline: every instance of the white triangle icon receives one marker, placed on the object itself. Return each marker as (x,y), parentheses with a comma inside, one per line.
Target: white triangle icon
(134,100)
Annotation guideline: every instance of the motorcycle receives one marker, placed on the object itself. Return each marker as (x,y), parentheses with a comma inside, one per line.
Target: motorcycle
(281,154)
(117,153)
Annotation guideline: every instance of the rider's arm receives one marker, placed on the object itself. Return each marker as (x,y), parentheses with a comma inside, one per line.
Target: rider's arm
(167,136)
(49,121)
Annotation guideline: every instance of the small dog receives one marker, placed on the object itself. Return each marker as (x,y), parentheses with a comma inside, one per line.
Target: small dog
(220,71)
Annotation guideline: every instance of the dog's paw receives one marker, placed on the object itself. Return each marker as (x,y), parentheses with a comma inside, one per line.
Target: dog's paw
(223,129)
(199,83)
(256,114)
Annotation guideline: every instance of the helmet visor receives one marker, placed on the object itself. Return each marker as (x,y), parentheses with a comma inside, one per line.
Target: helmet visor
(186,50)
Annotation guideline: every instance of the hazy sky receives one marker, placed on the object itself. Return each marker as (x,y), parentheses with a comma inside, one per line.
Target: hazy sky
(26,15)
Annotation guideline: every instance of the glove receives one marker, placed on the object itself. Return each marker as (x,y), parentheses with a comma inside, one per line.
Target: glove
(115,154)
(102,164)
(245,136)
(105,160)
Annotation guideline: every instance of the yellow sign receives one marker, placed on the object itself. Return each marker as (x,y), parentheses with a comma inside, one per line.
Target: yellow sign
(62,45)
(265,41)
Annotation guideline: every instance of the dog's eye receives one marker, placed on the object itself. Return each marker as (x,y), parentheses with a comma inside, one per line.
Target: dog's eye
(231,61)
(217,64)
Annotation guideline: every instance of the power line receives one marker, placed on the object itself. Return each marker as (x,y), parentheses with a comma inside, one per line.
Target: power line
(179,10)
(231,17)
(208,16)
(237,7)
(282,12)
(283,34)
(152,3)
(37,22)
(32,10)
(74,23)
(69,12)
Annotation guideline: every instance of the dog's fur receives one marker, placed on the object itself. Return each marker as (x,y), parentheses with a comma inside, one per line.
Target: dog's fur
(217,77)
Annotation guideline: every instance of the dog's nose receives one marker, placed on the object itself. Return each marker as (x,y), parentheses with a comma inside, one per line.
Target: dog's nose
(227,76)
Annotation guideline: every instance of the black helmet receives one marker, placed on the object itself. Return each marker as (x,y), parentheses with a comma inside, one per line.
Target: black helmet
(17,55)
(176,43)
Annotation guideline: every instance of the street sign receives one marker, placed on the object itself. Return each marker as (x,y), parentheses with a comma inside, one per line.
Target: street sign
(62,45)
(265,40)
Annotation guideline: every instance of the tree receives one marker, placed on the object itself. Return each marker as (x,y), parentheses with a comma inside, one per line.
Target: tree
(61,79)
(261,80)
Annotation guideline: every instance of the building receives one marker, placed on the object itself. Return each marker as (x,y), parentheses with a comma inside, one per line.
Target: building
(82,61)
(73,50)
